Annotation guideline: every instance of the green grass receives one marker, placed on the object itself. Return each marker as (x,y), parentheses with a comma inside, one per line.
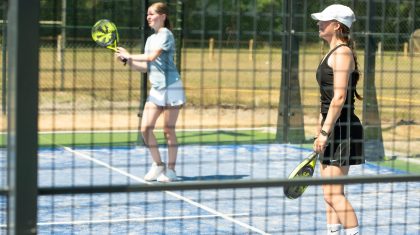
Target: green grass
(400,165)
(217,137)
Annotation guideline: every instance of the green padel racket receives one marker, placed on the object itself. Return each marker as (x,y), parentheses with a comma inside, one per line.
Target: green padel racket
(105,34)
(305,169)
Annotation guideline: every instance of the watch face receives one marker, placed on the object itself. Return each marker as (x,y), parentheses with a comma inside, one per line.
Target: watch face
(324,133)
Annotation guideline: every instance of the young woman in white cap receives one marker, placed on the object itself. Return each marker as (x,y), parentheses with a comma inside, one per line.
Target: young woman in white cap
(339,136)
(166,95)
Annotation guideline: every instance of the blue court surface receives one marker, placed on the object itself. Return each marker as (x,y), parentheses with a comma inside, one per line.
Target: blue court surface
(386,208)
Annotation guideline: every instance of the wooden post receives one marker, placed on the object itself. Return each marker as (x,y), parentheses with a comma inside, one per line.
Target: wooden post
(59,38)
(251,50)
(380,50)
(211,49)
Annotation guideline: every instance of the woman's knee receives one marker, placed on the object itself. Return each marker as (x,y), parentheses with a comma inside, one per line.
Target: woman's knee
(328,198)
(169,132)
(146,132)
(333,198)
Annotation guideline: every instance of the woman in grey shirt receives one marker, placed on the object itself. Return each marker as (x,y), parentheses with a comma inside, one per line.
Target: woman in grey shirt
(166,95)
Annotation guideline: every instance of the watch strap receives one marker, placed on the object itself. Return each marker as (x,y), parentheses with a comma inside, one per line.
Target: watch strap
(324,133)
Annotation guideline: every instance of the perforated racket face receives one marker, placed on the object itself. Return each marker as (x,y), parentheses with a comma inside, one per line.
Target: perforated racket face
(306,170)
(294,192)
(104,33)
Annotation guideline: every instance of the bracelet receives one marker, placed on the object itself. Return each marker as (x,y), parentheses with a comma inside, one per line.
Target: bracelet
(324,133)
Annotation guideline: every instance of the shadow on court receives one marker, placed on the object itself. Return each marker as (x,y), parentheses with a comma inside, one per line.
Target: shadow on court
(212,177)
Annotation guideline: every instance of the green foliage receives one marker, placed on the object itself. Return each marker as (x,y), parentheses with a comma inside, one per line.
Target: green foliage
(217,137)
(234,20)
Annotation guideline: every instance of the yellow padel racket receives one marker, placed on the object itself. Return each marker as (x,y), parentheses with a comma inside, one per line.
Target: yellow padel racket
(105,34)
(305,169)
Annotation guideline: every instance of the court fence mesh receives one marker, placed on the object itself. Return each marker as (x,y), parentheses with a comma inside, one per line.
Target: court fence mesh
(252,106)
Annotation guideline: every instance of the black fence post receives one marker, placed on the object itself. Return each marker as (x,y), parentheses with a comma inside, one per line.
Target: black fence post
(143,81)
(4,59)
(290,126)
(22,145)
(373,147)
(178,32)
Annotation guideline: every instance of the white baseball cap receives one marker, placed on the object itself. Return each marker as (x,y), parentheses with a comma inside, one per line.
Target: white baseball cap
(338,12)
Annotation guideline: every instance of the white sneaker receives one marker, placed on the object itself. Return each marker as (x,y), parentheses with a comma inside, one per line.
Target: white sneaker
(168,176)
(154,172)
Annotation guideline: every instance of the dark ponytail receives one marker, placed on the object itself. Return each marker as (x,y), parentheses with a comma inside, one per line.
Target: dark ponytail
(344,34)
(167,23)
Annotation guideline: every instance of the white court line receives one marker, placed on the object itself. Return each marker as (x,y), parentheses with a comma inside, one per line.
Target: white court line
(81,222)
(138,179)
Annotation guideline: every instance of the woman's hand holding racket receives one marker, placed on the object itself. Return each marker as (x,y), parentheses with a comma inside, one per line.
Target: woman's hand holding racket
(122,54)
(320,143)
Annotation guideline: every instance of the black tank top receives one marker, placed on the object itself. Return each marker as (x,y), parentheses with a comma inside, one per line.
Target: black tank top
(325,79)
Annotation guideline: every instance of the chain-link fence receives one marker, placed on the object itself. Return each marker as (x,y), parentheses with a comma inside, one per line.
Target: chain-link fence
(249,74)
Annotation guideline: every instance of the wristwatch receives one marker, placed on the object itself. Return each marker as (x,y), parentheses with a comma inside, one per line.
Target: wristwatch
(324,133)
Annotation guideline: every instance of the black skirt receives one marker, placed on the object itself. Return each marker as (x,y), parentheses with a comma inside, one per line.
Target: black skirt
(345,144)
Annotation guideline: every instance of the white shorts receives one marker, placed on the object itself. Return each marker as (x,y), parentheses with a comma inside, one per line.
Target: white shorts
(173,95)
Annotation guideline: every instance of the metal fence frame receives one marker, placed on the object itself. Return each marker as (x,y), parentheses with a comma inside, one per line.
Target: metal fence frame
(22,140)
(22,135)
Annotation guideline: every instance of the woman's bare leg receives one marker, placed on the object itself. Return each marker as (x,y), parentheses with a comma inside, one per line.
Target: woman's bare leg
(339,210)
(150,115)
(170,118)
